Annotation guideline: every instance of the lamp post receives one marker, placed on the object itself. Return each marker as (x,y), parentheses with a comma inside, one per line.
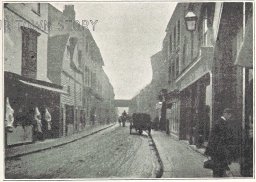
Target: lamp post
(191,20)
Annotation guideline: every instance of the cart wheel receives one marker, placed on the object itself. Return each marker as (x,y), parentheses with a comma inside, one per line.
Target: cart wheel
(140,132)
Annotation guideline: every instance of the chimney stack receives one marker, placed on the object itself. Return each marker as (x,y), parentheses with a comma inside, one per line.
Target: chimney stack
(69,12)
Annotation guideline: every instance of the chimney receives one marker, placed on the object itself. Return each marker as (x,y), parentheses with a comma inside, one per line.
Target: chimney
(69,12)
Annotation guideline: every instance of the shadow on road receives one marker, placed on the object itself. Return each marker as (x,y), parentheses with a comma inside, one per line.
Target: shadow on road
(142,135)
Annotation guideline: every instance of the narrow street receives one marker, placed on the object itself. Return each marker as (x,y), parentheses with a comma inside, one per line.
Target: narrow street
(112,153)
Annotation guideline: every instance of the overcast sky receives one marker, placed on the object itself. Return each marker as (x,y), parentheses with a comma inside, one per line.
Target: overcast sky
(127,34)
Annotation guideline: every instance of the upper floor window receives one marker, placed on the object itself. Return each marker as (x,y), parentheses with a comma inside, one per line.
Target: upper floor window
(80,58)
(205,27)
(177,67)
(170,74)
(173,70)
(170,45)
(185,51)
(36,8)
(178,33)
(29,52)
(68,52)
(174,38)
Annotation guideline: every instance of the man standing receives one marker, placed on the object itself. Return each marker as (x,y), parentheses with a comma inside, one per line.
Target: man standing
(218,145)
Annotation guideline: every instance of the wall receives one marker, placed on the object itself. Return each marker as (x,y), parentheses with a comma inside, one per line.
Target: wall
(17,15)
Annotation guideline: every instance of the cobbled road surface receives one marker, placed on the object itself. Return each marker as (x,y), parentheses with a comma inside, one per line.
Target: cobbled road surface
(112,153)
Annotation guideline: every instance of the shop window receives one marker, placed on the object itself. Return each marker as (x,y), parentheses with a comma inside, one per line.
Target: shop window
(29,52)
(36,8)
(69,114)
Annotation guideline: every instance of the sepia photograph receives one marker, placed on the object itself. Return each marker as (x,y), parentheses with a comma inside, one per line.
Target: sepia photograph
(128,90)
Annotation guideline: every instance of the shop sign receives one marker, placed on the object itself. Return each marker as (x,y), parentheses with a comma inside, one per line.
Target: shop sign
(196,72)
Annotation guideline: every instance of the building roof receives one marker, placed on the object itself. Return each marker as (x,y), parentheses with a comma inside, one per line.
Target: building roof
(96,54)
(56,48)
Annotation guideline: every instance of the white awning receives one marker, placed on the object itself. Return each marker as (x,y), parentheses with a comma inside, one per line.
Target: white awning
(44,87)
(245,55)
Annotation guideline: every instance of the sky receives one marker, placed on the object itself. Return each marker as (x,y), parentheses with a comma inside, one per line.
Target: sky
(127,34)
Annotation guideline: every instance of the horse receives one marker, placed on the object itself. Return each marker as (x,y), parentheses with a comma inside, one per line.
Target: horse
(120,120)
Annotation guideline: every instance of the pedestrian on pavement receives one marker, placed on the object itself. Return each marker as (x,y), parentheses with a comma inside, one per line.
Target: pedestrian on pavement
(218,148)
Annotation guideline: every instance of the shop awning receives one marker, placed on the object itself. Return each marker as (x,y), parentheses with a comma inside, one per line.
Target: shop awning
(245,55)
(43,87)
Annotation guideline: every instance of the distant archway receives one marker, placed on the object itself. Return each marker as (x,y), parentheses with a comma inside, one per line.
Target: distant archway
(122,105)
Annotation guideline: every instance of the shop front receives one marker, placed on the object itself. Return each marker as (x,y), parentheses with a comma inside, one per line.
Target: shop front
(173,113)
(195,111)
(25,97)
(195,102)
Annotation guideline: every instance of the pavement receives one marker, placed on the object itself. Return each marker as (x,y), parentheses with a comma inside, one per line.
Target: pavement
(17,151)
(181,160)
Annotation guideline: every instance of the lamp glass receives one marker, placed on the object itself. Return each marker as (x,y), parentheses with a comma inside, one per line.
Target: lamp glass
(191,25)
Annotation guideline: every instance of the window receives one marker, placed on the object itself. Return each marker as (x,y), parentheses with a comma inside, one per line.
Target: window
(36,8)
(80,58)
(205,28)
(177,66)
(184,52)
(86,79)
(174,38)
(68,89)
(173,71)
(80,92)
(178,33)
(68,52)
(68,85)
(29,52)
(170,45)
(170,74)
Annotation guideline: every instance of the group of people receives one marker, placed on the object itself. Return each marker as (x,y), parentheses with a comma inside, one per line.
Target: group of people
(123,118)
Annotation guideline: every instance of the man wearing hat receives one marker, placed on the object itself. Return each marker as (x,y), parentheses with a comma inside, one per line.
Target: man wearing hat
(218,144)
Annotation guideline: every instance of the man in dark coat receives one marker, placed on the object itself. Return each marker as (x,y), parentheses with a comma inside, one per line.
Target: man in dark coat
(218,145)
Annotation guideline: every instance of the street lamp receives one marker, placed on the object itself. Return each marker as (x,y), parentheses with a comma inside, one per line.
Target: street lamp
(191,20)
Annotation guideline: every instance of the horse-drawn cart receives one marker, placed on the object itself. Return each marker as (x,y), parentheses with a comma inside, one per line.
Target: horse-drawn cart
(140,122)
